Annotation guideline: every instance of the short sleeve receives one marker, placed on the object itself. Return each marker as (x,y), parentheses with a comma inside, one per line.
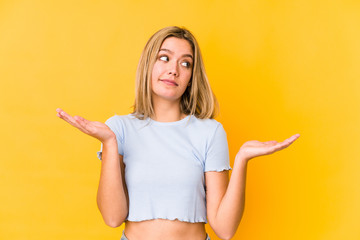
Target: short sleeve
(116,125)
(217,154)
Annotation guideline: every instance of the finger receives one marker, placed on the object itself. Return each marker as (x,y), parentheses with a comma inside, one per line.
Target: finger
(58,110)
(286,142)
(67,117)
(292,138)
(281,145)
(278,147)
(63,115)
(295,136)
(83,123)
(59,114)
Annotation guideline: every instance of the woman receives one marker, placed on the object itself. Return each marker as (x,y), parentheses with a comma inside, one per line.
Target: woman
(165,166)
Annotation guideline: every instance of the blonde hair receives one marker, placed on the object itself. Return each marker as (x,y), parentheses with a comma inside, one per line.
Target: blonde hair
(198,99)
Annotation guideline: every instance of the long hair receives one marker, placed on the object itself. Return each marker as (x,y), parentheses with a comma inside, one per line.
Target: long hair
(198,98)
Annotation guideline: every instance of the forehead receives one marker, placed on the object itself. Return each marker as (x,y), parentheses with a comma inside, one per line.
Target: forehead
(177,45)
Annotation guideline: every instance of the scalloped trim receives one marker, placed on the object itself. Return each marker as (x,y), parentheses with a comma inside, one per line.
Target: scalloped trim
(99,155)
(219,170)
(168,218)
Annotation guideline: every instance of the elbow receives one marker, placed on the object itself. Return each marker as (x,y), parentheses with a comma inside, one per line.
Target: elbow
(113,217)
(114,222)
(228,238)
(224,232)
(225,236)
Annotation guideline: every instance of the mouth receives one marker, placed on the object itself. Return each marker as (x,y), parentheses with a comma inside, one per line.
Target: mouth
(169,82)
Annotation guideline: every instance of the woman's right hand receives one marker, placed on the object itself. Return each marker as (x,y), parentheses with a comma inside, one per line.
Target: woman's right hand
(95,129)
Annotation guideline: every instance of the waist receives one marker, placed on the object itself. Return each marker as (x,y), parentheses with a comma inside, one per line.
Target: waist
(165,229)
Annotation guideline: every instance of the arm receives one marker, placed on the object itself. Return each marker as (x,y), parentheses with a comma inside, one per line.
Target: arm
(226,200)
(112,196)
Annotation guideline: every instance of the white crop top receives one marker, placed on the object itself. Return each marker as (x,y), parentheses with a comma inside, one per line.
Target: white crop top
(165,164)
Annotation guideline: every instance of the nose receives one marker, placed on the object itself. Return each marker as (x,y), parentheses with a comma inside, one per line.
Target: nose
(173,69)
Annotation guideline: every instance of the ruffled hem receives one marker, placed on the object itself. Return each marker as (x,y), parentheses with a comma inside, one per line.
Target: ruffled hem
(219,169)
(99,155)
(166,218)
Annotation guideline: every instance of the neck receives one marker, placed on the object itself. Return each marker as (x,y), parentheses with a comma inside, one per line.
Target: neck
(166,111)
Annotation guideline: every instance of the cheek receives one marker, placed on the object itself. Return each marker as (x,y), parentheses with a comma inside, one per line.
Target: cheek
(155,73)
(189,75)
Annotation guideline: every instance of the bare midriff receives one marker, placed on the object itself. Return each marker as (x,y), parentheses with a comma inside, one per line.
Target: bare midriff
(165,229)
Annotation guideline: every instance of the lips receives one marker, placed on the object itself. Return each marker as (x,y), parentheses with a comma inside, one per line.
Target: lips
(169,82)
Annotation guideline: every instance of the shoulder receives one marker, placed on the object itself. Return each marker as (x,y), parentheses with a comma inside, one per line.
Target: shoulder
(114,119)
(125,121)
(208,125)
(205,123)
(121,118)
(117,120)
(208,128)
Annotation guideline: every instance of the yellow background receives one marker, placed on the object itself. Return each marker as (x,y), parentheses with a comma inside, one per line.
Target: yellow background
(277,67)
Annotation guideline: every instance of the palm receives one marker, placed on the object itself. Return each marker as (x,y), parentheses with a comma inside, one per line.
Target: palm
(95,129)
(256,148)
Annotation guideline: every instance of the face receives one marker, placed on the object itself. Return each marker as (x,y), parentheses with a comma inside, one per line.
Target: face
(172,69)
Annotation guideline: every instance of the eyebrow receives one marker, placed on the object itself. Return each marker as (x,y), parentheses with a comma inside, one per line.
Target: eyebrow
(167,50)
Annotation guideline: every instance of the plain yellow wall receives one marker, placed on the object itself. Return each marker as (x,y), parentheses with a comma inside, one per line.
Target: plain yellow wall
(277,68)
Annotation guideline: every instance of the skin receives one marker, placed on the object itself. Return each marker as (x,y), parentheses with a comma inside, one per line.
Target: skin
(225,198)
(174,62)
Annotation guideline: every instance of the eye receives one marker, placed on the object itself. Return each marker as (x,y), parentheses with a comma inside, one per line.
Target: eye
(164,58)
(186,64)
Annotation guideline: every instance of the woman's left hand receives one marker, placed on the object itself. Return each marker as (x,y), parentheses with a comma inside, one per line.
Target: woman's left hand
(256,148)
